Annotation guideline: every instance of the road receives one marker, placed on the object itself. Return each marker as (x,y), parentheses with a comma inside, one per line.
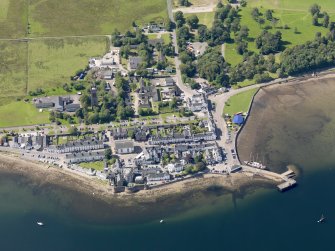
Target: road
(187,91)
(220,100)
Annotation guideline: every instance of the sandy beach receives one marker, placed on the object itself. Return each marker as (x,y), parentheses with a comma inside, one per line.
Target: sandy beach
(41,174)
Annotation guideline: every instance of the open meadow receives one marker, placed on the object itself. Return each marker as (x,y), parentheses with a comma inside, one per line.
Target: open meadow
(85,17)
(53,61)
(13,68)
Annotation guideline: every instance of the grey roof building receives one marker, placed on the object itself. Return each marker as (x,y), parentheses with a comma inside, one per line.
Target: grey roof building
(84,157)
(134,62)
(124,146)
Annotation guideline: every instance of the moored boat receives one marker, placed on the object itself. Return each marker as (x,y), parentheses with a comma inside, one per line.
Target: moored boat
(255,164)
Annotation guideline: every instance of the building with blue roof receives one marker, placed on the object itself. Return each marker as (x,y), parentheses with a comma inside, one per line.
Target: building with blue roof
(238,119)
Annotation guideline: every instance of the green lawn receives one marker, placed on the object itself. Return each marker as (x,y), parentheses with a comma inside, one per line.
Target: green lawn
(205,18)
(239,102)
(97,165)
(86,17)
(13,77)
(53,61)
(165,36)
(21,113)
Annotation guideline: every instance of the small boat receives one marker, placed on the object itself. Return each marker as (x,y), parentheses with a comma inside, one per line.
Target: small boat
(322,219)
(161,221)
(40,223)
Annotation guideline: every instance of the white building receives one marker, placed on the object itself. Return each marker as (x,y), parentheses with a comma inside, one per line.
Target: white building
(174,168)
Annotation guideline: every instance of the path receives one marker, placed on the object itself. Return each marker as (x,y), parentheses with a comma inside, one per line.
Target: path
(24,39)
(186,10)
(223,49)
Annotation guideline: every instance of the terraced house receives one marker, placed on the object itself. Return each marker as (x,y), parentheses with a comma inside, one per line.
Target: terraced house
(76,146)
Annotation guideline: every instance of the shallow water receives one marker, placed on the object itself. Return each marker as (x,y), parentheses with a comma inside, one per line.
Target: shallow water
(250,219)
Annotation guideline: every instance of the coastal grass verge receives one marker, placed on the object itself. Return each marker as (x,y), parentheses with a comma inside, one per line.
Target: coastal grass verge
(71,17)
(20,113)
(239,102)
(97,165)
(53,61)
(13,68)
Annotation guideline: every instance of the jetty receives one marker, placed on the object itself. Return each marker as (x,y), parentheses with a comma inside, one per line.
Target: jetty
(286,185)
(285,179)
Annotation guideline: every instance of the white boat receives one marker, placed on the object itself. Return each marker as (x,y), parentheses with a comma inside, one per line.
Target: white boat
(40,223)
(161,221)
(322,219)
(255,164)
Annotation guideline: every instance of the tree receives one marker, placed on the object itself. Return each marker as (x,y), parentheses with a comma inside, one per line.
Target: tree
(179,17)
(173,103)
(315,20)
(203,33)
(315,9)
(80,113)
(268,14)
(274,22)
(52,117)
(255,13)
(325,20)
(73,131)
(211,65)
(268,42)
(85,101)
(195,86)
(108,153)
(169,25)
(244,32)
(188,69)
(192,21)
(243,3)
(184,3)
(242,47)
(261,21)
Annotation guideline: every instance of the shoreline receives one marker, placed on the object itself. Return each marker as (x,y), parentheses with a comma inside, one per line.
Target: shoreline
(40,175)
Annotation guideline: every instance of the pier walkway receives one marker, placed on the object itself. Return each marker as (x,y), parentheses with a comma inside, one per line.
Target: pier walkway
(285,178)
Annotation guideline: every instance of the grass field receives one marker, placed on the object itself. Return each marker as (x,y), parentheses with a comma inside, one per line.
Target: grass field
(82,17)
(13,18)
(13,67)
(239,102)
(299,19)
(53,61)
(21,113)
